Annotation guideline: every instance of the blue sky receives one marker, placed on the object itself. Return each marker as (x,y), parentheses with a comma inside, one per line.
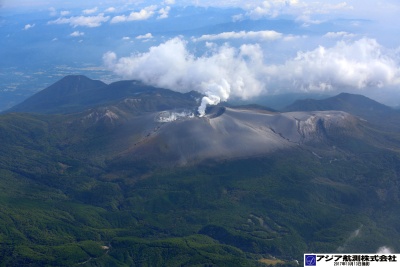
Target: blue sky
(226,49)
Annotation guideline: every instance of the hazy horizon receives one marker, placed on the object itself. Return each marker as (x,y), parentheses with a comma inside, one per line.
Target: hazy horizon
(224,49)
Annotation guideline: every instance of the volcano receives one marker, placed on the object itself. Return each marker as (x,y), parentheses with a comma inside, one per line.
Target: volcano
(126,173)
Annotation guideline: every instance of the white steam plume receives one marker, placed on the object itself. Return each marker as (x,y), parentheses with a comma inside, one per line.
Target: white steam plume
(384,250)
(225,71)
(207,100)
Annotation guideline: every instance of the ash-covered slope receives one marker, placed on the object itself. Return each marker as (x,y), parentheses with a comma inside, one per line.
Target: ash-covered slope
(226,134)
(132,121)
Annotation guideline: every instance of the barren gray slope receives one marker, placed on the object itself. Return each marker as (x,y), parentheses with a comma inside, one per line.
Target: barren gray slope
(235,133)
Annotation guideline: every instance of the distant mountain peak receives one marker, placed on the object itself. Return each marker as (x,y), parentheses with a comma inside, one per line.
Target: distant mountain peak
(359,97)
(63,91)
(76,93)
(343,101)
(75,76)
(354,104)
(74,84)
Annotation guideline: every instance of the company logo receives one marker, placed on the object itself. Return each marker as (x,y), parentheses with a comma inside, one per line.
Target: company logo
(310,260)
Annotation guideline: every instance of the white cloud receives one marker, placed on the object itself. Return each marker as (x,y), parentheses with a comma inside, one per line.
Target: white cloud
(237,17)
(77,34)
(271,8)
(291,37)
(356,65)
(64,13)
(85,21)
(145,36)
(53,11)
(143,14)
(342,34)
(225,71)
(118,19)
(259,35)
(28,26)
(306,20)
(341,5)
(302,10)
(169,2)
(90,11)
(110,10)
(126,38)
(164,12)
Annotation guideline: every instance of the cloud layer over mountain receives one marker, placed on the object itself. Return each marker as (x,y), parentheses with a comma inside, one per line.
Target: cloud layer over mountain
(244,72)
(355,65)
(236,48)
(224,72)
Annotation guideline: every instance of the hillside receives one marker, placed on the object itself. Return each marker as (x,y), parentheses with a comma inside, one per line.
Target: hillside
(65,92)
(357,105)
(346,102)
(136,179)
(77,93)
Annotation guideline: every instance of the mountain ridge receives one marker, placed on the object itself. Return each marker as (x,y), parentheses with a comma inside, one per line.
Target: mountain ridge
(76,93)
(66,90)
(355,104)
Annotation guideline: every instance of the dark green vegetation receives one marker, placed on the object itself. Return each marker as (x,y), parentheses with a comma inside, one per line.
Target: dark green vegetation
(68,198)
